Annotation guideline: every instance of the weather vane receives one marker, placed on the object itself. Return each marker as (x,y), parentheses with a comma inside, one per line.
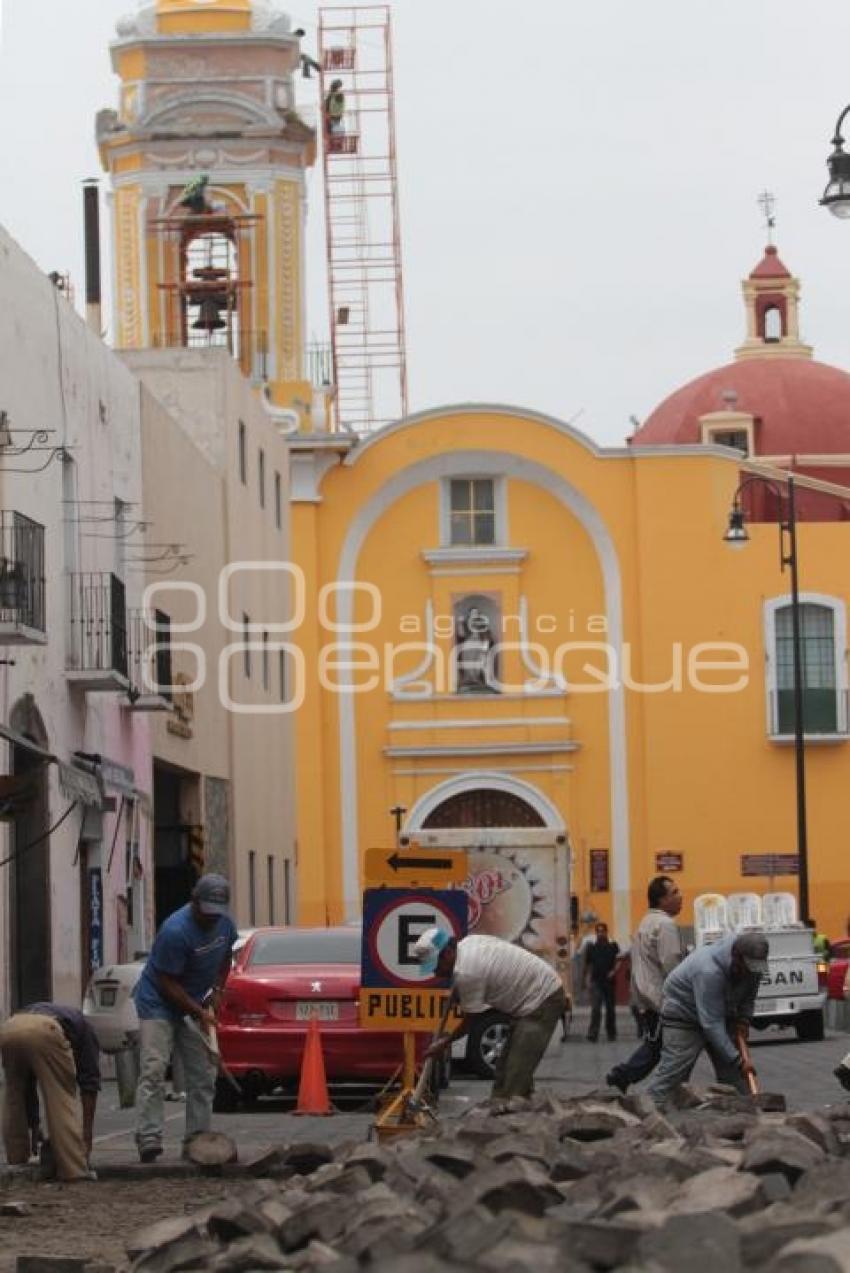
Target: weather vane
(767,203)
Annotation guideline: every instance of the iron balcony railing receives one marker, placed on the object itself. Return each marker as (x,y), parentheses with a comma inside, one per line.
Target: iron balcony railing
(319,364)
(149,652)
(21,571)
(98,624)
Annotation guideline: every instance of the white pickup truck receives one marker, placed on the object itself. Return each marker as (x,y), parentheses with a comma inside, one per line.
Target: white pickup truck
(793,994)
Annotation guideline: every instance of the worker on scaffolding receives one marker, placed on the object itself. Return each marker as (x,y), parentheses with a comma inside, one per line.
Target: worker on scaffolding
(335,109)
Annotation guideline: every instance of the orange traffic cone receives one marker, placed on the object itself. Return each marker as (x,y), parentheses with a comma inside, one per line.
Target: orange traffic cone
(313,1087)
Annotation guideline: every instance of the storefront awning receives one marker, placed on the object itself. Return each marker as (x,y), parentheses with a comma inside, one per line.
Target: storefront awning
(81,786)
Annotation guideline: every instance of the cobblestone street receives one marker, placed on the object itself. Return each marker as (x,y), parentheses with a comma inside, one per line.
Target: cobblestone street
(801,1071)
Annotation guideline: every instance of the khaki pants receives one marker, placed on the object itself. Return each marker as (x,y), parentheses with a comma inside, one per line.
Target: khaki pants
(528,1040)
(33,1044)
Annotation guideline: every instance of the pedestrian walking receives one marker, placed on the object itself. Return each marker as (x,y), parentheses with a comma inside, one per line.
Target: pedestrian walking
(488,972)
(655,951)
(53,1049)
(190,958)
(601,960)
(707,1000)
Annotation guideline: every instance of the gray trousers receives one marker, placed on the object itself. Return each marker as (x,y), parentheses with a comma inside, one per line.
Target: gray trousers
(681,1048)
(528,1040)
(157,1040)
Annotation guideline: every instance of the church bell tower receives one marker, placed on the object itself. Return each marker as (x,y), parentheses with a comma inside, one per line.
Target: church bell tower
(207,157)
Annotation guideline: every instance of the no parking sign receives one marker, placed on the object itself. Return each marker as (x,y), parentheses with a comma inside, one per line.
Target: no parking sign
(394,994)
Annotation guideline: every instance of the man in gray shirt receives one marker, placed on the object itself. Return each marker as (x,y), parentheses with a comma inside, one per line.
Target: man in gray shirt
(711,994)
(656,950)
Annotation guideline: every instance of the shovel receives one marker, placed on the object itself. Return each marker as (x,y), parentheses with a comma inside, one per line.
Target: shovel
(416,1102)
(210,1042)
(744,1049)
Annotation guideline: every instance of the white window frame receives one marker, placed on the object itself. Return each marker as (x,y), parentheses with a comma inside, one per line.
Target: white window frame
(500,511)
(839,631)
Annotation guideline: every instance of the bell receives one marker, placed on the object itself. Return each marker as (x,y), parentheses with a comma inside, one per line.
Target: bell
(209,317)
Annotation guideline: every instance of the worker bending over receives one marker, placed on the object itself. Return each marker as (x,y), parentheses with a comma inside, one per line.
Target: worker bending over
(706,1000)
(488,972)
(55,1048)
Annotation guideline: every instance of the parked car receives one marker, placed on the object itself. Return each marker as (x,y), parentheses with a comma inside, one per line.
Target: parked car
(109,1008)
(280,979)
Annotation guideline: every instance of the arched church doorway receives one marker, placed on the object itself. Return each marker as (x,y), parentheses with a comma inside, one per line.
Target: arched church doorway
(483,807)
(29,871)
(517,851)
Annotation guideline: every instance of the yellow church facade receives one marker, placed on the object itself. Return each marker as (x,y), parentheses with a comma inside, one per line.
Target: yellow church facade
(494,622)
(631,705)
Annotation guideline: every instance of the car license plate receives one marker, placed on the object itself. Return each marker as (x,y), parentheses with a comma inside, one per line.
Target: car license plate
(322,1008)
(107,996)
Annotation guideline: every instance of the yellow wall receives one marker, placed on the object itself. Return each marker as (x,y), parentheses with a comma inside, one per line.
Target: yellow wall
(702,776)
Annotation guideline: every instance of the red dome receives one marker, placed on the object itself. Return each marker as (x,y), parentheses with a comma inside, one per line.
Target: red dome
(802,407)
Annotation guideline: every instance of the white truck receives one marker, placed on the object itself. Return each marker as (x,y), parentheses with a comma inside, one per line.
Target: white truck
(793,994)
(519,889)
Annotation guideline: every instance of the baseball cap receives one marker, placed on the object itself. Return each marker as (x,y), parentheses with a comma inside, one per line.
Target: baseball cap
(426,950)
(212,893)
(753,949)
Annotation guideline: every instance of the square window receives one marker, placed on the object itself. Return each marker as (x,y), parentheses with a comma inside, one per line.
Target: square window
(472,512)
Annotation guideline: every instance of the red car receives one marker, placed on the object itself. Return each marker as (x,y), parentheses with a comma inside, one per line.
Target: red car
(838,966)
(280,978)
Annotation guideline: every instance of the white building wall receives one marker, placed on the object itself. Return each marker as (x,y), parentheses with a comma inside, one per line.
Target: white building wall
(56,375)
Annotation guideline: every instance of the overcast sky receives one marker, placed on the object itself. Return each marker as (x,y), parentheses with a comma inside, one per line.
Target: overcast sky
(578,182)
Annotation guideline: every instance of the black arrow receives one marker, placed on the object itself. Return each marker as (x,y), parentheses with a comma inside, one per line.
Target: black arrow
(423,864)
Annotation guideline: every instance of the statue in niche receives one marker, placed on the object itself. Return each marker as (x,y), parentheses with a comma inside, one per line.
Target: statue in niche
(475,671)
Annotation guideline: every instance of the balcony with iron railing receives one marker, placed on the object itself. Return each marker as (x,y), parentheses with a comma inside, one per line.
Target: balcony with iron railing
(149,660)
(97,632)
(22,592)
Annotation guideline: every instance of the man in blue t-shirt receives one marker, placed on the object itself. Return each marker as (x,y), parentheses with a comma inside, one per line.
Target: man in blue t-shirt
(190,959)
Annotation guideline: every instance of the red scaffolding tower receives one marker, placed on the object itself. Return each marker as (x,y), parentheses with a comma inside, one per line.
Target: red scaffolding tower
(362,216)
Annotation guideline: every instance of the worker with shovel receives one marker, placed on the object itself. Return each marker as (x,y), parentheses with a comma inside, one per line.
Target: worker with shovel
(189,957)
(488,972)
(708,1001)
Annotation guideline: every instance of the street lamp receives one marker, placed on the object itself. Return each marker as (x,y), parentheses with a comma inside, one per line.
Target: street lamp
(737,536)
(836,196)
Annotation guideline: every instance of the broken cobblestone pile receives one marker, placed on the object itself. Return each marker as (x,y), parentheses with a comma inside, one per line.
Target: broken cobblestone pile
(599,1183)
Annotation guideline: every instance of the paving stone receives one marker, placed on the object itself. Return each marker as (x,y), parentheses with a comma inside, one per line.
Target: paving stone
(192,1250)
(232,1219)
(49,1264)
(158,1235)
(827,1183)
(770,1102)
(466,1234)
(775,1186)
(720,1189)
(638,1194)
(696,1243)
(519,1186)
(766,1233)
(455,1158)
(372,1158)
(322,1216)
(541,1151)
(595,1122)
(603,1244)
(211,1149)
(780,1149)
(816,1128)
(306,1157)
(829,1254)
(259,1251)
(513,1256)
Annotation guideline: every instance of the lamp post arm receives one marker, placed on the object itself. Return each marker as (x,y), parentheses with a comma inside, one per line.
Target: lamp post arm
(838,139)
(799,724)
